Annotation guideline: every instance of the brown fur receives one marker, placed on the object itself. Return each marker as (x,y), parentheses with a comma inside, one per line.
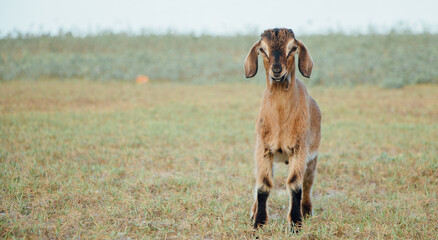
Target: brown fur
(289,119)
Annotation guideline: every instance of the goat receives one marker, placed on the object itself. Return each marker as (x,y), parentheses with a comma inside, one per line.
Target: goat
(288,127)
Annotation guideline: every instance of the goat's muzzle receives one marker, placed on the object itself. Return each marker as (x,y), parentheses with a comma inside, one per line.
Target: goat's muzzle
(279,79)
(276,69)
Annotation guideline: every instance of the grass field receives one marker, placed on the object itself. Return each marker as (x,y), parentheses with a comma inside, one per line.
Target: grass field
(390,60)
(175,161)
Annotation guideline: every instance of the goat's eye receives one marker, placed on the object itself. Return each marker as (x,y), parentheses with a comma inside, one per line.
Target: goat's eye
(291,51)
(263,51)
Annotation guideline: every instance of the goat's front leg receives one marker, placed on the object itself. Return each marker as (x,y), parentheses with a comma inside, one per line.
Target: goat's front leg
(294,185)
(264,183)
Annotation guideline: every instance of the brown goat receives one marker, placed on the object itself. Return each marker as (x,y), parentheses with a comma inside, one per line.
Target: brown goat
(288,126)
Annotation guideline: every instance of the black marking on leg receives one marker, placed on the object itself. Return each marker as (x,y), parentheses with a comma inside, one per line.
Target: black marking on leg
(295,212)
(267,183)
(261,214)
(294,149)
(307,209)
(267,153)
(293,179)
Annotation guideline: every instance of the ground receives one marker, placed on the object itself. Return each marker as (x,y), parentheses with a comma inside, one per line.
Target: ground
(175,161)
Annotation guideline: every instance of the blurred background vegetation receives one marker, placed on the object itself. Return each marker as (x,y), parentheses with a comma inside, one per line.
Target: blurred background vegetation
(389,60)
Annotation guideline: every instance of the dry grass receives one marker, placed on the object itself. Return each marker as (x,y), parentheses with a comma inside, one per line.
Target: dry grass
(174,161)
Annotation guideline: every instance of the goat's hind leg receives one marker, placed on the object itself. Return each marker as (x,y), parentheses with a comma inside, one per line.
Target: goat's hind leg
(264,184)
(307,186)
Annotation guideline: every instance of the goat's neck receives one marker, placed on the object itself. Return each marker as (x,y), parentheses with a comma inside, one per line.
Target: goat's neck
(282,100)
(283,95)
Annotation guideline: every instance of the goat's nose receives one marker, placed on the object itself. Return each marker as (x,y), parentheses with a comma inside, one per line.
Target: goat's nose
(276,68)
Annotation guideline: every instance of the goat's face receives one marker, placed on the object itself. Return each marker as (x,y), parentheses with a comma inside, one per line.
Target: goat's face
(278,48)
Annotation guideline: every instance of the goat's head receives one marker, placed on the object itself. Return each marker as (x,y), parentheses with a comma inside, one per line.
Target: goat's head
(278,48)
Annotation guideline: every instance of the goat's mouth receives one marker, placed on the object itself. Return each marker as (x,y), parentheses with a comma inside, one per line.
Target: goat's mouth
(279,79)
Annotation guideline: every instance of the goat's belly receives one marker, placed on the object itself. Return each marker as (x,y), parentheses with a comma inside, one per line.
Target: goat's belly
(284,158)
(281,157)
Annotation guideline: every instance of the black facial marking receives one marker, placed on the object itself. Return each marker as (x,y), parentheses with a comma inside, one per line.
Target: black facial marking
(295,213)
(276,30)
(262,214)
(266,34)
(279,36)
(277,55)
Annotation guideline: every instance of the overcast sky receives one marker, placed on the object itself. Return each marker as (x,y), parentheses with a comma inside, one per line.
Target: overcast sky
(214,17)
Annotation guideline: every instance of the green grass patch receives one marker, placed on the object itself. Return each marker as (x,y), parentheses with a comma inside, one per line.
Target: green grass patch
(175,161)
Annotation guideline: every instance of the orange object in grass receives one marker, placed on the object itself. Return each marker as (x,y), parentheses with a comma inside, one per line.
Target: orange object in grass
(142,79)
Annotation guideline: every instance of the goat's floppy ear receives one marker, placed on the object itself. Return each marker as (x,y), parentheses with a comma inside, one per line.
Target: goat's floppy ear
(305,62)
(251,61)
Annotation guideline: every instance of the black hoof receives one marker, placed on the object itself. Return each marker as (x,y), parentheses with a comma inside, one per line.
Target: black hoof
(295,228)
(259,223)
(307,211)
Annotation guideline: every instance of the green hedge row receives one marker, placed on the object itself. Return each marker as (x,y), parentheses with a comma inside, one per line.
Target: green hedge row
(390,60)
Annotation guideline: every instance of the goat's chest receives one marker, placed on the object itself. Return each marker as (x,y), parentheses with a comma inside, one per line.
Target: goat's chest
(279,135)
